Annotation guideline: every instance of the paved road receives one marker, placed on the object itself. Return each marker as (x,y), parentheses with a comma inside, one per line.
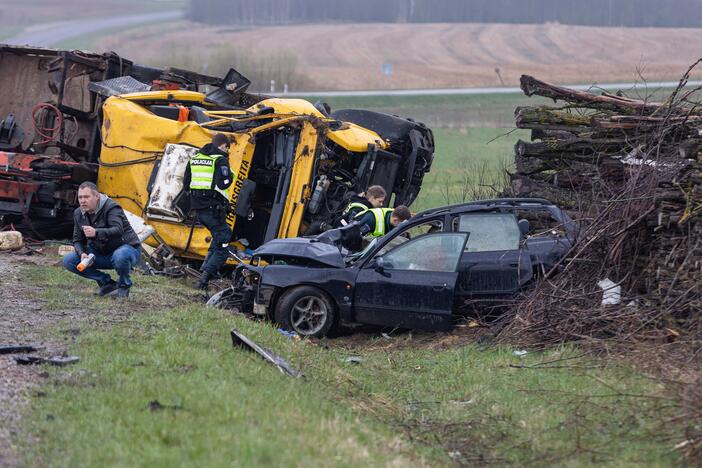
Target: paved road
(493,90)
(50,34)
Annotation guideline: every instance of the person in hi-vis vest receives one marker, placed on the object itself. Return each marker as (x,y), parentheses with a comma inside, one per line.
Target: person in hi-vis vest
(207,178)
(377,222)
(373,197)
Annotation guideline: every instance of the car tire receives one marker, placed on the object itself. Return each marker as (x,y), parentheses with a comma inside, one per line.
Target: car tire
(307,311)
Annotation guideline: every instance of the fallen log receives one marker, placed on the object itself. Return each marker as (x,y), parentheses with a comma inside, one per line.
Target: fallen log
(576,149)
(531,86)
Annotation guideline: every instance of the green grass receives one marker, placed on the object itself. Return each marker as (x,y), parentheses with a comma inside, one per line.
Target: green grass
(406,403)
(458,111)
(469,164)
(463,111)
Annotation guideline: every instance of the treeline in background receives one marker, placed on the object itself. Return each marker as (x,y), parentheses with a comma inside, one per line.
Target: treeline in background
(640,13)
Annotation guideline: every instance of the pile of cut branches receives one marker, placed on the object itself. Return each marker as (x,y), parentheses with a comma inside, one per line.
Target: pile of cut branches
(630,171)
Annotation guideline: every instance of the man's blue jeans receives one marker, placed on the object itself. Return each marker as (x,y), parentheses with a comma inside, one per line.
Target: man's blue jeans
(122,260)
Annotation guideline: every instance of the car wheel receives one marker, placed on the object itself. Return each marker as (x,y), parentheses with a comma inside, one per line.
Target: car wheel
(306,311)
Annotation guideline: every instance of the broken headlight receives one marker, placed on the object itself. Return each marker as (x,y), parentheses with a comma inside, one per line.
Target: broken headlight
(250,277)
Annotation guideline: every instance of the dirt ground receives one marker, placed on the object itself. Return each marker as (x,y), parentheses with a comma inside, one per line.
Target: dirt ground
(25,318)
(22,318)
(350,56)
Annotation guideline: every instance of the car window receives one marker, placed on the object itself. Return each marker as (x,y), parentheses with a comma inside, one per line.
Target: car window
(541,222)
(429,227)
(430,252)
(412,233)
(489,232)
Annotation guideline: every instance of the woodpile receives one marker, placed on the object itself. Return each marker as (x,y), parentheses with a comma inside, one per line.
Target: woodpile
(630,170)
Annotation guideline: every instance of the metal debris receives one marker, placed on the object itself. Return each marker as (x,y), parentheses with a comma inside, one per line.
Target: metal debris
(16,348)
(241,341)
(59,361)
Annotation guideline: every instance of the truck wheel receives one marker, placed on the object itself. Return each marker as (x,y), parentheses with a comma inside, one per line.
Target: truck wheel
(307,311)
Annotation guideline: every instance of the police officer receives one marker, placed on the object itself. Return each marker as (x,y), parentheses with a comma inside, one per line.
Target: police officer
(207,178)
(377,222)
(373,197)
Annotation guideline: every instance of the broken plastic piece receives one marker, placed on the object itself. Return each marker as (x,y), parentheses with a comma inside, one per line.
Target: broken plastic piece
(520,353)
(239,340)
(54,361)
(611,292)
(14,349)
(287,333)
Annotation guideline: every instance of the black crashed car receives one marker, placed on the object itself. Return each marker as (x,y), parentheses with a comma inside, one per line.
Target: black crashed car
(414,277)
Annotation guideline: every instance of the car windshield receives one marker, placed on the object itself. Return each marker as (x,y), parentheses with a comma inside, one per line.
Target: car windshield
(355,256)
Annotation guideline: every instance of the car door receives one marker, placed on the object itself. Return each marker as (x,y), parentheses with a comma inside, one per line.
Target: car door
(494,262)
(411,285)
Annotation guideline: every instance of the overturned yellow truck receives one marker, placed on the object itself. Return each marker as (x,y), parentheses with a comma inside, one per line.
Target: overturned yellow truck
(295,163)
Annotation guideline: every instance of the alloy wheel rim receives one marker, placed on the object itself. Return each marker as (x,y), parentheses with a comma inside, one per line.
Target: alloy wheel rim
(308,315)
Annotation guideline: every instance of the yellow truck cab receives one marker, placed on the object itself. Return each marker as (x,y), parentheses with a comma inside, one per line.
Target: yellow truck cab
(294,163)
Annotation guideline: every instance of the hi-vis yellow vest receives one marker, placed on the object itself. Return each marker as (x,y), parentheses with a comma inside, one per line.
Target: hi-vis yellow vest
(202,171)
(379,214)
(355,205)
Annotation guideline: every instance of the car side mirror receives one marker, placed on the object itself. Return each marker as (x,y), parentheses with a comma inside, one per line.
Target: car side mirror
(379,264)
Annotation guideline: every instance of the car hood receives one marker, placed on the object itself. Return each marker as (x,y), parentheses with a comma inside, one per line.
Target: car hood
(300,247)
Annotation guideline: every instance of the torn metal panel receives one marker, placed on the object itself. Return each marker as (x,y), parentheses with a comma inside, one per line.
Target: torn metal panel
(241,341)
(168,183)
(30,76)
(116,86)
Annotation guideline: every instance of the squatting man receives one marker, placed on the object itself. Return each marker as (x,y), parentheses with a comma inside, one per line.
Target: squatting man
(103,239)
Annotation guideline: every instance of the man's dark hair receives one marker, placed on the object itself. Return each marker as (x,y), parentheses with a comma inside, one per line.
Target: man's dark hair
(220,139)
(376,191)
(402,212)
(88,185)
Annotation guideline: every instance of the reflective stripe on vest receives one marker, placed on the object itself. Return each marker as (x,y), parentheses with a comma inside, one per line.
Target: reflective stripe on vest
(379,214)
(354,205)
(202,171)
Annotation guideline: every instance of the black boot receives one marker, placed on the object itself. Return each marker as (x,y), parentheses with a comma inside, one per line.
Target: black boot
(122,292)
(204,280)
(107,288)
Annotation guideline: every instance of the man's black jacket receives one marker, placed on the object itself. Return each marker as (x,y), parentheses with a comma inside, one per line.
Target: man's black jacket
(200,199)
(112,229)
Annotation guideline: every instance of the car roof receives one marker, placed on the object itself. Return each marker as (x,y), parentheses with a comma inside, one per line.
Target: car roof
(491,204)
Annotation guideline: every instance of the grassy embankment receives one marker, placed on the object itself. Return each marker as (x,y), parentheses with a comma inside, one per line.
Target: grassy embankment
(409,400)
